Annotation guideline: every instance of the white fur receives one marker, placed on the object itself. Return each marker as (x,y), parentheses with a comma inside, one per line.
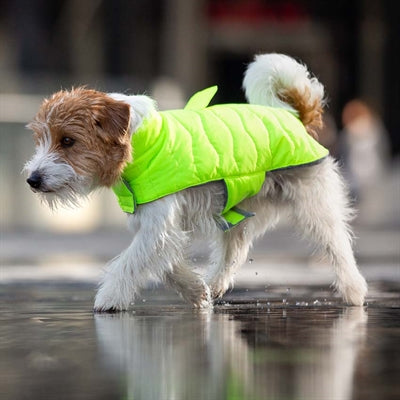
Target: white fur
(270,74)
(141,107)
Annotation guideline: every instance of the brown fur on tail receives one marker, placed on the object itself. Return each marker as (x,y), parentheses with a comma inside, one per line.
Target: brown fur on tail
(310,110)
(277,80)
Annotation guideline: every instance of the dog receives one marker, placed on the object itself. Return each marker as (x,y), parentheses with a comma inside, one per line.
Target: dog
(86,139)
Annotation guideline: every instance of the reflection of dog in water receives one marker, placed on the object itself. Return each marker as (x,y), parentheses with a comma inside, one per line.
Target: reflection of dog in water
(224,346)
(226,173)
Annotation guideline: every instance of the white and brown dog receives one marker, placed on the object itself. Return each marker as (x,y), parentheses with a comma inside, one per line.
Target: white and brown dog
(83,141)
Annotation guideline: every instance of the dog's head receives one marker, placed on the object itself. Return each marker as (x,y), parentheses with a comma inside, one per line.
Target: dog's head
(82,142)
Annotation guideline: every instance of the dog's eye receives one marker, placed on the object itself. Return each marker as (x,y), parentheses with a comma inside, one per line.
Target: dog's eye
(67,141)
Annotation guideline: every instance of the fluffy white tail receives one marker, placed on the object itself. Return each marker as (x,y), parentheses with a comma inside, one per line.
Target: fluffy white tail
(277,80)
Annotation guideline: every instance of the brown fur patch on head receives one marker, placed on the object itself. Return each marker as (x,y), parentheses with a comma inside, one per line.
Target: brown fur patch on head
(310,110)
(98,126)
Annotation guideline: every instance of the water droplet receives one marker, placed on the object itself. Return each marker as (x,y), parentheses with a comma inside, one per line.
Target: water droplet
(144,300)
(301,303)
(251,260)
(316,302)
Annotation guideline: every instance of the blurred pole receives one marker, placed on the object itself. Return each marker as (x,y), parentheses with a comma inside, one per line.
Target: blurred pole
(78,24)
(371,52)
(183,43)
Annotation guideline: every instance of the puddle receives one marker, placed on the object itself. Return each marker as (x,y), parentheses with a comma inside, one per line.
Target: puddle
(252,345)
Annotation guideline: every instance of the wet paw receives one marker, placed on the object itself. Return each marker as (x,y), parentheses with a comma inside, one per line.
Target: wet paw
(354,293)
(219,288)
(108,301)
(111,310)
(217,294)
(204,301)
(199,297)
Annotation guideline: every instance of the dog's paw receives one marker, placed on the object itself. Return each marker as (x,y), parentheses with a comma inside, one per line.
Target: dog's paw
(103,306)
(109,301)
(219,288)
(192,289)
(111,310)
(199,297)
(218,292)
(354,292)
(204,301)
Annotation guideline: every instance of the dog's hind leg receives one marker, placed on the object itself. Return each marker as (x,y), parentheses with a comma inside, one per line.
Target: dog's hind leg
(156,252)
(238,241)
(232,250)
(321,211)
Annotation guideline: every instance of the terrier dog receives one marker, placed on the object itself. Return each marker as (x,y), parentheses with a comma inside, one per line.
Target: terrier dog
(87,139)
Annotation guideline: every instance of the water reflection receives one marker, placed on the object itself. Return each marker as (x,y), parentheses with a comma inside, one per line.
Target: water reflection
(236,353)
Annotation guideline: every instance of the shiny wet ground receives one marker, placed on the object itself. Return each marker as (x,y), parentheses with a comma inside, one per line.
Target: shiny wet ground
(279,344)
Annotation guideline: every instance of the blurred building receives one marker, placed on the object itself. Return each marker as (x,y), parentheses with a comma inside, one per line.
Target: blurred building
(171,48)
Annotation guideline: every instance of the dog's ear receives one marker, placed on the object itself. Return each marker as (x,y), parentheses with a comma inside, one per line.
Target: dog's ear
(113,119)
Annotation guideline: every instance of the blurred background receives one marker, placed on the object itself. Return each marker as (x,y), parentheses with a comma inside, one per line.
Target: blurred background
(171,48)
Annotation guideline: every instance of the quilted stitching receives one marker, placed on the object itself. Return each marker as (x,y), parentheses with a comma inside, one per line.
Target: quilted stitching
(237,143)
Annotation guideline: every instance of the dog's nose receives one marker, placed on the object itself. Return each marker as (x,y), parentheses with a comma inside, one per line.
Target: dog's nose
(35,180)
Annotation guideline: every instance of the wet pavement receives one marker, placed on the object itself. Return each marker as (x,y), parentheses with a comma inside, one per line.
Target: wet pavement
(284,344)
(281,334)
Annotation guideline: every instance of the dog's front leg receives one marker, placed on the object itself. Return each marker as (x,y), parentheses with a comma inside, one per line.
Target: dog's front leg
(150,255)
(157,252)
(118,285)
